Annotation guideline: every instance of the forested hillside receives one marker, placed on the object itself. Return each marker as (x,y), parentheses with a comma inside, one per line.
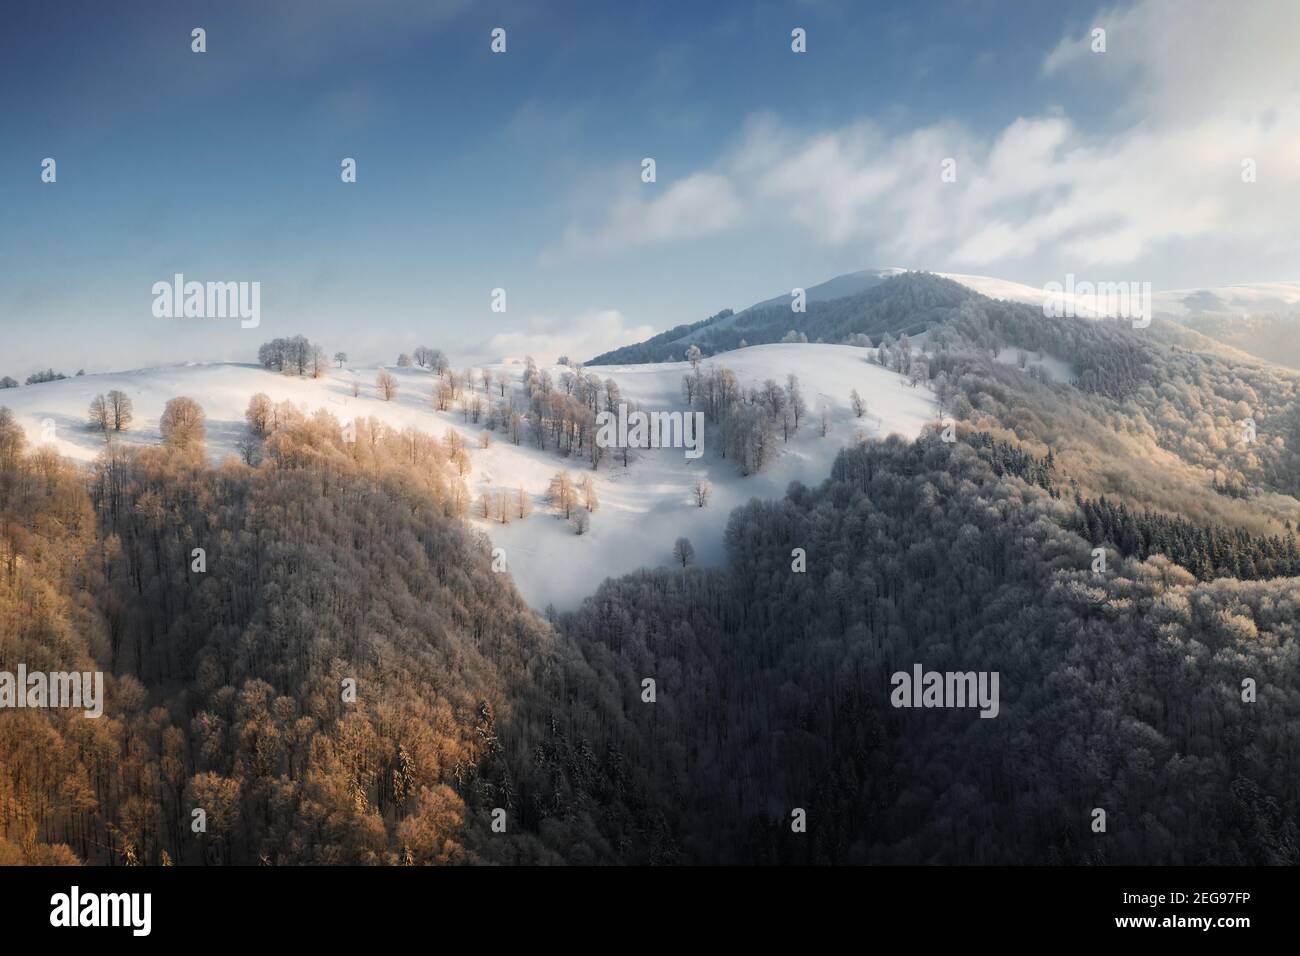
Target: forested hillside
(329,563)
(312,647)
(1120,691)
(1149,418)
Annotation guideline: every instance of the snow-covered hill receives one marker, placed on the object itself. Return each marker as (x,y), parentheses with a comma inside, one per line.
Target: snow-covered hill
(642,510)
(875,302)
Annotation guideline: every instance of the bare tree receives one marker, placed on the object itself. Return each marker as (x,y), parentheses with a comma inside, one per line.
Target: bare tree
(693,355)
(501,507)
(561,494)
(794,399)
(318,363)
(340,357)
(588,488)
(581,521)
(404,361)
(249,450)
(523,506)
(99,416)
(702,491)
(683,551)
(859,406)
(386,384)
(454,448)
(120,410)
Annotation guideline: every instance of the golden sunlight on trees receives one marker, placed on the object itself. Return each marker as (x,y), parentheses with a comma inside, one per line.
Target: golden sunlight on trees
(183,423)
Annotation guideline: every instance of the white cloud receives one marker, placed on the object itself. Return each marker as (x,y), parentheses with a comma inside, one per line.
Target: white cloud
(698,205)
(1197,87)
(1177,60)
(581,337)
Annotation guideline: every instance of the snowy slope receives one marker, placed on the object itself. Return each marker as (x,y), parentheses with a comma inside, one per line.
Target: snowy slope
(642,509)
(850,283)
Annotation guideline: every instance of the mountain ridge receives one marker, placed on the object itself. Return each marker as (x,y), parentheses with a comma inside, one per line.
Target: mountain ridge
(1204,308)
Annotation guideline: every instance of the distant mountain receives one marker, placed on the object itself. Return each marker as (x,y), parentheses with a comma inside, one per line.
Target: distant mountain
(1260,298)
(872,303)
(851,283)
(1262,319)
(1274,338)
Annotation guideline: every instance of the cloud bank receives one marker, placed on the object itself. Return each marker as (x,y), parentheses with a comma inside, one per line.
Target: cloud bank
(1207,148)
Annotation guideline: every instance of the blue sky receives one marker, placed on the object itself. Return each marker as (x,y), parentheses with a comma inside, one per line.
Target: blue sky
(522,170)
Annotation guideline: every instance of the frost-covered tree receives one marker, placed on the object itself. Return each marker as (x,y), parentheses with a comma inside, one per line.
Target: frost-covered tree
(99,418)
(318,363)
(259,414)
(794,399)
(183,423)
(562,495)
(120,409)
(701,491)
(587,486)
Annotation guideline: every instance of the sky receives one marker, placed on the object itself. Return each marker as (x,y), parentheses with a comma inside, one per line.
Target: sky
(522,170)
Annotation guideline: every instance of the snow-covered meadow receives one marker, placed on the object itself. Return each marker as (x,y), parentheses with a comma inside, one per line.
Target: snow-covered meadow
(643,508)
